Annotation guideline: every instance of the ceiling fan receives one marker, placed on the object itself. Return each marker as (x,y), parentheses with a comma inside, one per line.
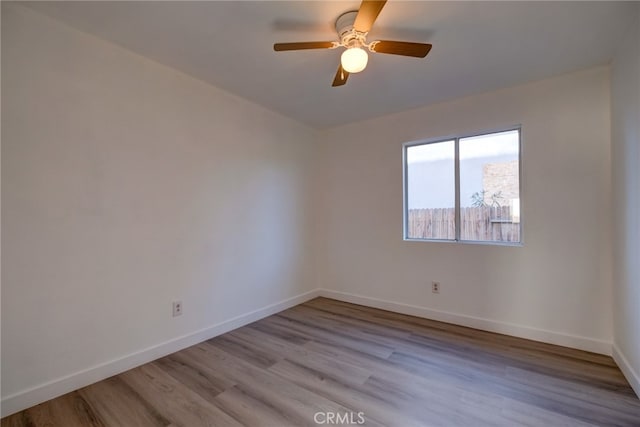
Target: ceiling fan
(352,28)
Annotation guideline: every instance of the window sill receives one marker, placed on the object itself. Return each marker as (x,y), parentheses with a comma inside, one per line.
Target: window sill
(466,242)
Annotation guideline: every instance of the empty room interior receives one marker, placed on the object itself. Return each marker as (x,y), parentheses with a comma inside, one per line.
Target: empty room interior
(305,213)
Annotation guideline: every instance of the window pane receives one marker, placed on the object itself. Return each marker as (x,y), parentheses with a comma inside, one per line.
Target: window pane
(431,191)
(490,187)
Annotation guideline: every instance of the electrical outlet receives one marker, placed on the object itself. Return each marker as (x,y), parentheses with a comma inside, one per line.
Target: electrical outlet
(177,308)
(435,287)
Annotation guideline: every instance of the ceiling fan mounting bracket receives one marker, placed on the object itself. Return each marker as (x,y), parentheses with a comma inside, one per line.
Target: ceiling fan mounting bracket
(349,36)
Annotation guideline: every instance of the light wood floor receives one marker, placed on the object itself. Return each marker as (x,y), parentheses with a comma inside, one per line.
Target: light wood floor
(326,356)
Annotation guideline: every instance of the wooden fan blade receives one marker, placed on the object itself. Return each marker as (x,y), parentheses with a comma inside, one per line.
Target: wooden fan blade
(367,14)
(279,47)
(417,50)
(341,77)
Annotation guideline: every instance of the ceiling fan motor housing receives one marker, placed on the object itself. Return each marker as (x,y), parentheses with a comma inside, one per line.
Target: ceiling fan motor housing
(349,37)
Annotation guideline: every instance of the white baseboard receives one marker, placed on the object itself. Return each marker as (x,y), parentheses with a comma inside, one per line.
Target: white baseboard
(629,373)
(41,393)
(567,340)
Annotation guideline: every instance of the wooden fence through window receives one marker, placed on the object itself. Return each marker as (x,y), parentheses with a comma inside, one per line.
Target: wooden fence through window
(486,223)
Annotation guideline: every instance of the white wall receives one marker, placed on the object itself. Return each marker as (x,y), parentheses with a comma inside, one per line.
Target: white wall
(127,185)
(625,100)
(556,288)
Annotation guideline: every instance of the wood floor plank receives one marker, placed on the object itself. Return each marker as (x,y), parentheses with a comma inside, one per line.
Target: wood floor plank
(578,407)
(246,351)
(622,404)
(295,402)
(328,366)
(429,403)
(173,400)
(374,408)
(252,410)
(68,410)
(523,414)
(198,380)
(119,404)
(297,322)
(332,357)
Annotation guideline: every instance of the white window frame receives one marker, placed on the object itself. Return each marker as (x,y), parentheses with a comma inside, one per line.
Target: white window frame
(456,139)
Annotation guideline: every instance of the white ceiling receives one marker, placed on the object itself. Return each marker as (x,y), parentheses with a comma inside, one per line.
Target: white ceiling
(477,47)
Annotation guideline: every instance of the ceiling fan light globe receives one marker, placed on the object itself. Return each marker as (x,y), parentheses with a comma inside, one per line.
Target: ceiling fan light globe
(354,60)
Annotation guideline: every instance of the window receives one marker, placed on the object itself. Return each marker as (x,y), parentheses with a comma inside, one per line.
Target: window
(464,189)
